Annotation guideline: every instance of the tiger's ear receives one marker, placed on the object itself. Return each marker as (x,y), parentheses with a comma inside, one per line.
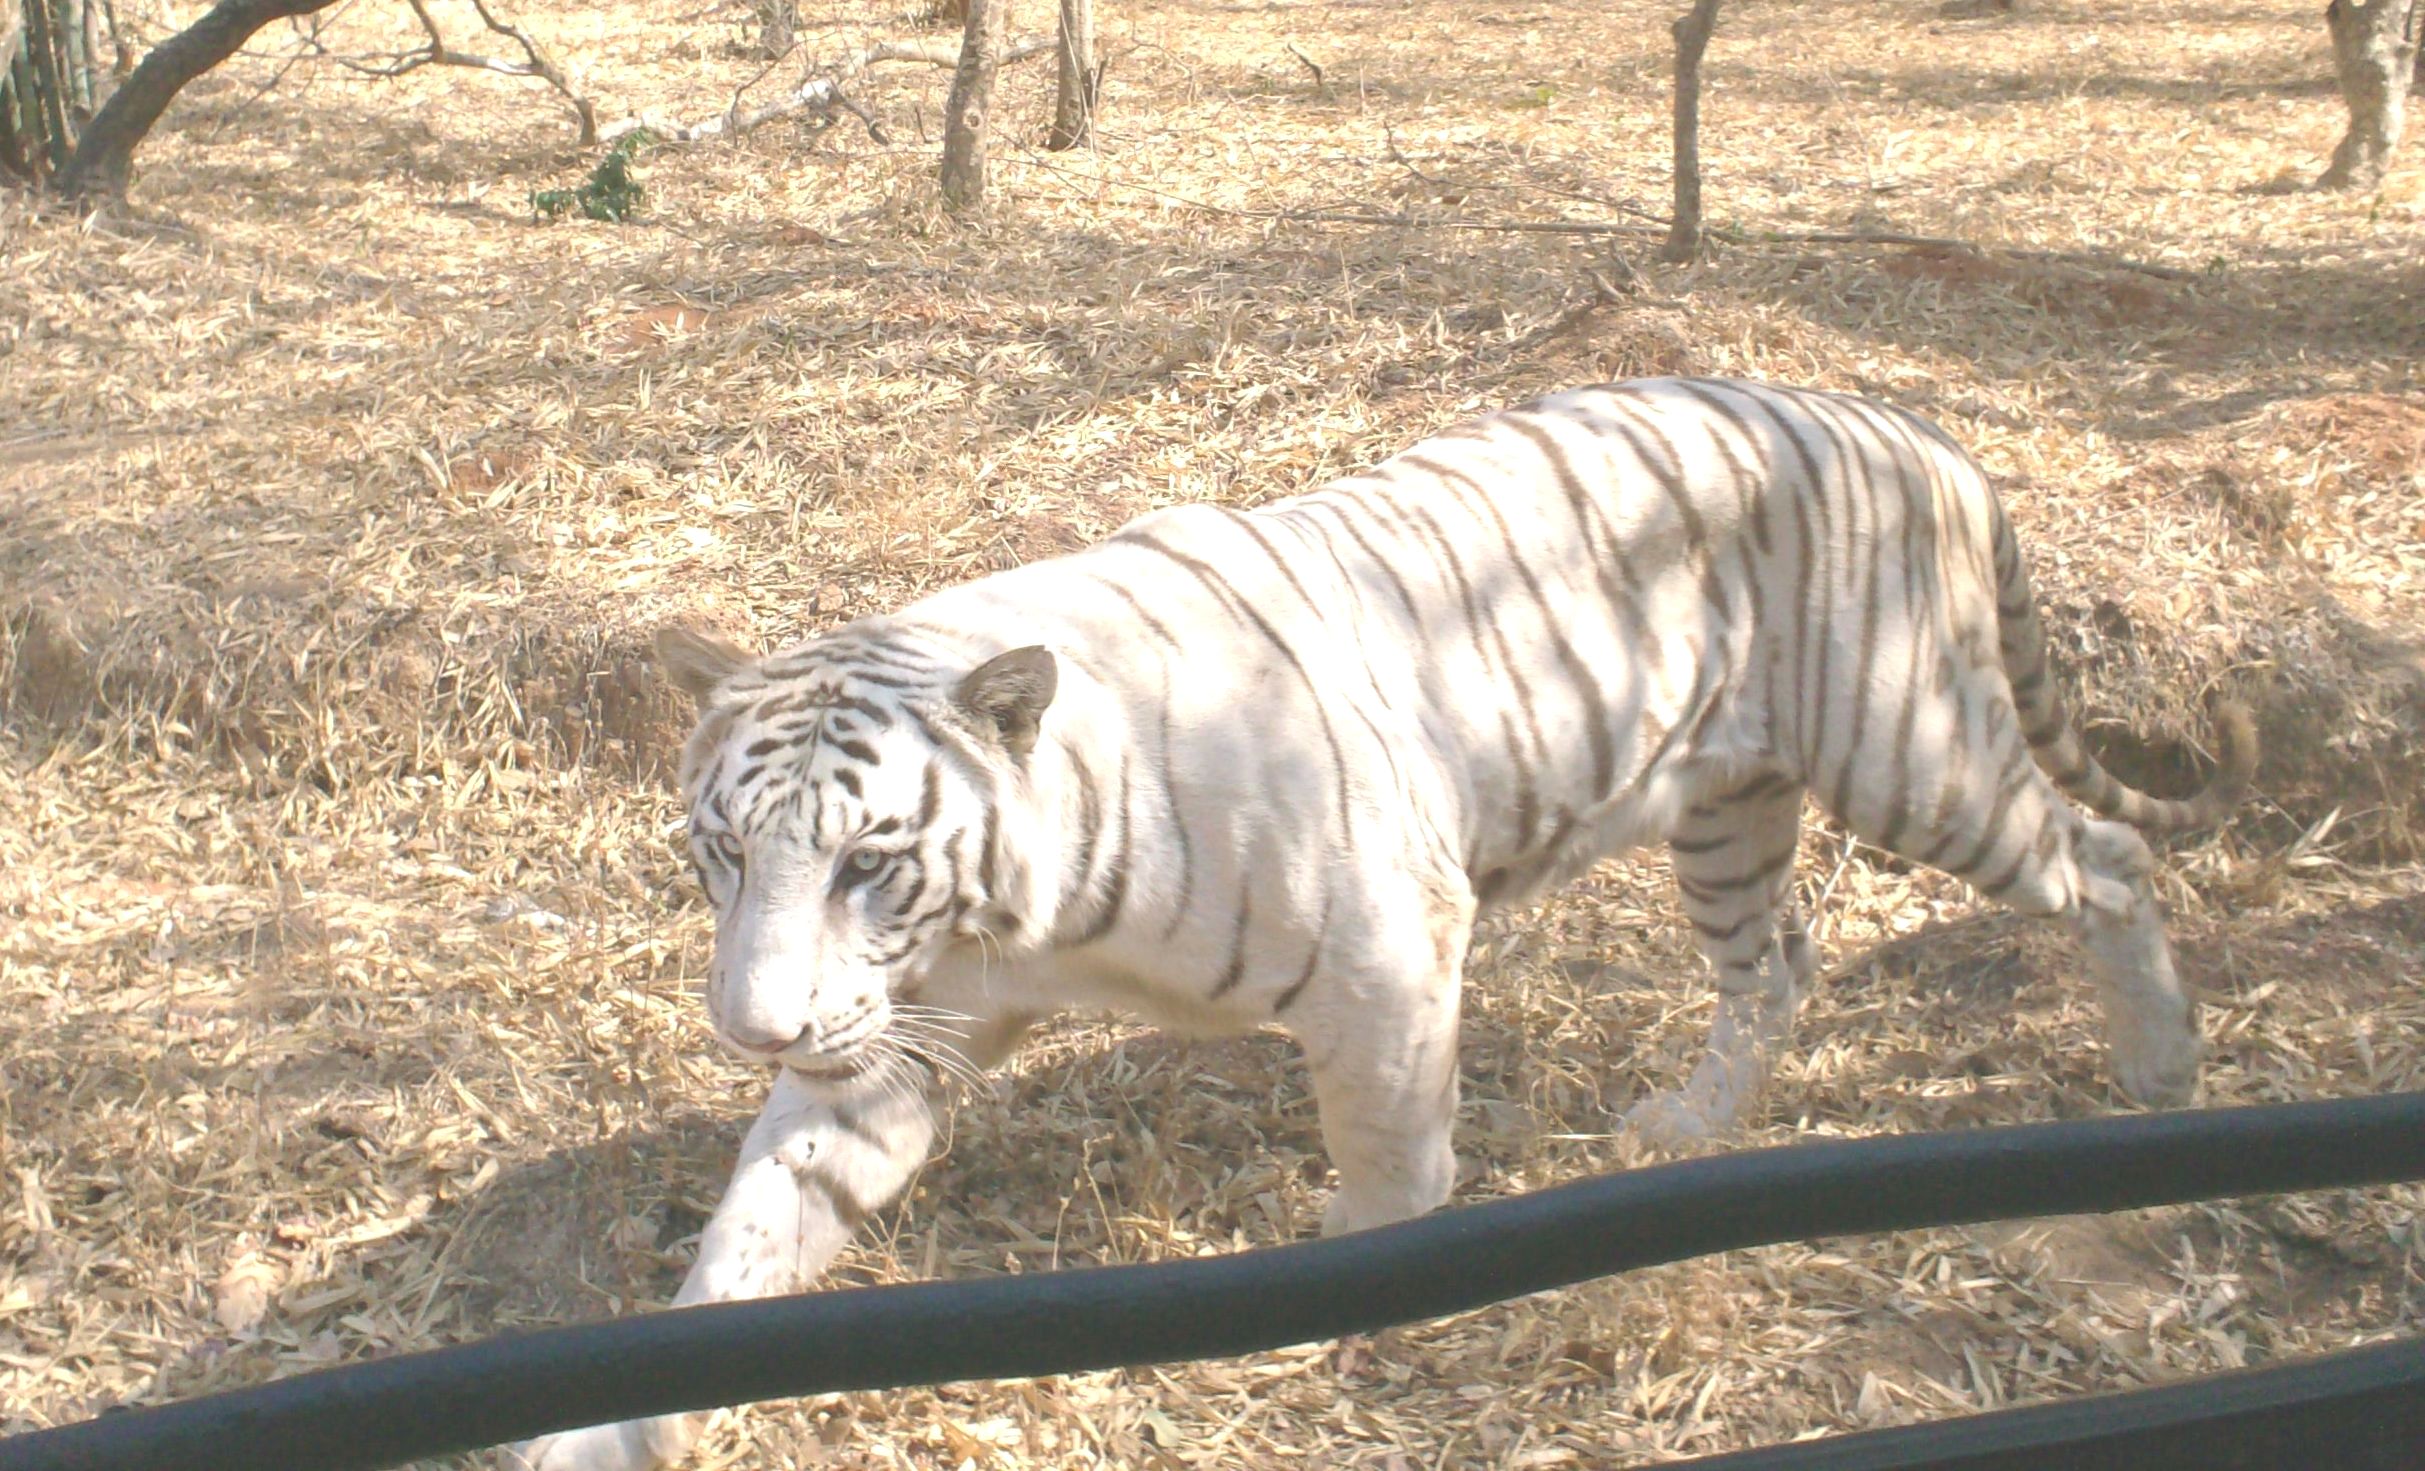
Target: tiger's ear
(1007,694)
(699,661)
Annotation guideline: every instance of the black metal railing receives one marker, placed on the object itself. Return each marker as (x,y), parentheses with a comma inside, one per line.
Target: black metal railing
(2355,1411)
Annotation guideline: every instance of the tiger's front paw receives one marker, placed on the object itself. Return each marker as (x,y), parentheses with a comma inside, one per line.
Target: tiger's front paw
(1677,1120)
(631,1445)
(2158,1067)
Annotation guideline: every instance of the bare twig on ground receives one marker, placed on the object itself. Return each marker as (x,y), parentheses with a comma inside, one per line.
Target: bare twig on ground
(1389,140)
(1630,275)
(760,75)
(819,92)
(1602,293)
(867,119)
(1413,222)
(1310,65)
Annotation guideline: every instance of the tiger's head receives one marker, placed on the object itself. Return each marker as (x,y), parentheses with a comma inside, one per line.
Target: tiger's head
(845,823)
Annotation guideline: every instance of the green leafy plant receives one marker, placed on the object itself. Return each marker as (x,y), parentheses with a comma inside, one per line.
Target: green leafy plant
(611,193)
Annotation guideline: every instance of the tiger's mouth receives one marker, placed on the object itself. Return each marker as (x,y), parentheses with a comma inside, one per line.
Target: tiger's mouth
(856,1050)
(855,1063)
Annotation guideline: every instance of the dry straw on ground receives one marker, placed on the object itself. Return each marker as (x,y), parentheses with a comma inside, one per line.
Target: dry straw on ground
(345,965)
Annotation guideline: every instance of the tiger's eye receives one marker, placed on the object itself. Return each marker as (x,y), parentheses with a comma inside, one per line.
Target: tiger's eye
(867,860)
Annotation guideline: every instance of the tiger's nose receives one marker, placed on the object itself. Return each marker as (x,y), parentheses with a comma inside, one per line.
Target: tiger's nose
(765,1044)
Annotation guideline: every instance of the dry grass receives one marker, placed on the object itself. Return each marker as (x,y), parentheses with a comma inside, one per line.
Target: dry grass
(345,982)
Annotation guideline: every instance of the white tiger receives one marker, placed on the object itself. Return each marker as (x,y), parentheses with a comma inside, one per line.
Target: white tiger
(1234,768)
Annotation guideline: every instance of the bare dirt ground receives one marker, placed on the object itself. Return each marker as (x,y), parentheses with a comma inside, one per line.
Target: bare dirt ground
(346,960)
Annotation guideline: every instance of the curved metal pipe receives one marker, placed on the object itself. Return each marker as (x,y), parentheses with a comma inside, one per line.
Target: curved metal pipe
(379,1414)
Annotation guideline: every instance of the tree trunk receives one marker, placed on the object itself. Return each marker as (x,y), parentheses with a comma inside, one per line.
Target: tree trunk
(47,84)
(76,39)
(1074,102)
(2374,48)
(105,157)
(1692,38)
(90,11)
(22,150)
(778,27)
(972,99)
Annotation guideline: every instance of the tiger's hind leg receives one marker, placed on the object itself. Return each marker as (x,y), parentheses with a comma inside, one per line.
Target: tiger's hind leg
(2151,1020)
(1734,862)
(1986,814)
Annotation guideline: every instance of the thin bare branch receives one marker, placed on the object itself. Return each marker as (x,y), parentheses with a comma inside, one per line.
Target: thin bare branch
(437,51)
(821,91)
(537,63)
(875,130)
(1310,65)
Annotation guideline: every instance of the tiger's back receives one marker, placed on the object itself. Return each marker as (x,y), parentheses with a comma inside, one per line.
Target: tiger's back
(1551,629)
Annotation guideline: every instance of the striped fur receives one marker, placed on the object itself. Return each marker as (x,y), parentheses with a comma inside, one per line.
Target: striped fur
(1232,768)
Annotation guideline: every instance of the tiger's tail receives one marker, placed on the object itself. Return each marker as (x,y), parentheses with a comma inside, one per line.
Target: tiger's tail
(2056,746)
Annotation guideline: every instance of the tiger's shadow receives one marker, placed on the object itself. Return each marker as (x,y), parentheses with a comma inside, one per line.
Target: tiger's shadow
(1085,1150)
